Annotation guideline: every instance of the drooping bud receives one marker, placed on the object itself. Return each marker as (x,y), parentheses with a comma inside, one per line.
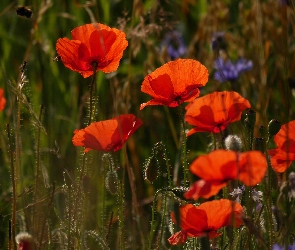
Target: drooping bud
(151,170)
(274,127)
(233,142)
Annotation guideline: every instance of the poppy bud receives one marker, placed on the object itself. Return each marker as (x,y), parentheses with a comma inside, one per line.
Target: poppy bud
(274,127)
(259,144)
(233,142)
(151,170)
(251,117)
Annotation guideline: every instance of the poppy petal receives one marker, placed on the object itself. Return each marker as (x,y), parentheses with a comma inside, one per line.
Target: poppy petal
(175,82)
(219,213)
(280,159)
(69,52)
(213,112)
(92,43)
(108,135)
(204,189)
(286,132)
(206,219)
(252,167)
(2,100)
(218,165)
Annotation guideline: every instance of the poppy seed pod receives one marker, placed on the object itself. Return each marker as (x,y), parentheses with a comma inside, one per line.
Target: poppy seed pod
(233,142)
(274,127)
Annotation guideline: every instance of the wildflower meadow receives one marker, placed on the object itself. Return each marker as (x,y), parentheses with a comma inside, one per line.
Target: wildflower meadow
(147,124)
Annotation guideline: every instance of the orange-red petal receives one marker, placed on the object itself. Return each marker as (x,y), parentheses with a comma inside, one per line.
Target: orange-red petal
(204,189)
(108,135)
(2,100)
(222,213)
(206,219)
(220,166)
(280,159)
(92,43)
(287,132)
(175,82)
(252,167)
(213,112)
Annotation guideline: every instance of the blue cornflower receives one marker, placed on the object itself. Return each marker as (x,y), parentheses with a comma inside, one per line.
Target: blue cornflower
(278,247)
(229,71)
(174,44)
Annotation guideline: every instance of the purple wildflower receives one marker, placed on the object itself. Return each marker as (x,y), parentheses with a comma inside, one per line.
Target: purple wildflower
(174,44)
(229,71)
(278,247)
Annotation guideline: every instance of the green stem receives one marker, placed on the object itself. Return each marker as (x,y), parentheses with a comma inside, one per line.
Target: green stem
(184,156)
(13,179)
(205,244)
(91,99)
(152,231)
(38,170)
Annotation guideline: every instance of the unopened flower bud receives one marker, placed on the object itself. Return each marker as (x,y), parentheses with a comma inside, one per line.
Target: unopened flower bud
(274,127)
(251,117)
(233,142)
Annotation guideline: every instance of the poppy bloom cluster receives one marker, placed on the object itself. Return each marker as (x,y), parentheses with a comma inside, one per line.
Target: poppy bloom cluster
(175,82)
(220,166)
(282,156)
(206,219)
(107,136)
(213,112)
(93,45)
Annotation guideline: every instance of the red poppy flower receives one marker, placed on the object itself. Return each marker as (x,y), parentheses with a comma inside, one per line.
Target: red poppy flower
(283,156)
(218,167)
(206,219)
(213,112)
(108,135)
(175,82)
(92,43)
(2,100)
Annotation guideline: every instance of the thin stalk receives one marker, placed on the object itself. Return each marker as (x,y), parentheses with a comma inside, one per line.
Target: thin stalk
(163,216)
(38,169)
(121,215)
(184,156)
(91,87)
(13,179)
(134,196)
(152,231)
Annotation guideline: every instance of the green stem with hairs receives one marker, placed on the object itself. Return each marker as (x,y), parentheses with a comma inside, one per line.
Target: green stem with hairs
(13,179)
(184,156)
